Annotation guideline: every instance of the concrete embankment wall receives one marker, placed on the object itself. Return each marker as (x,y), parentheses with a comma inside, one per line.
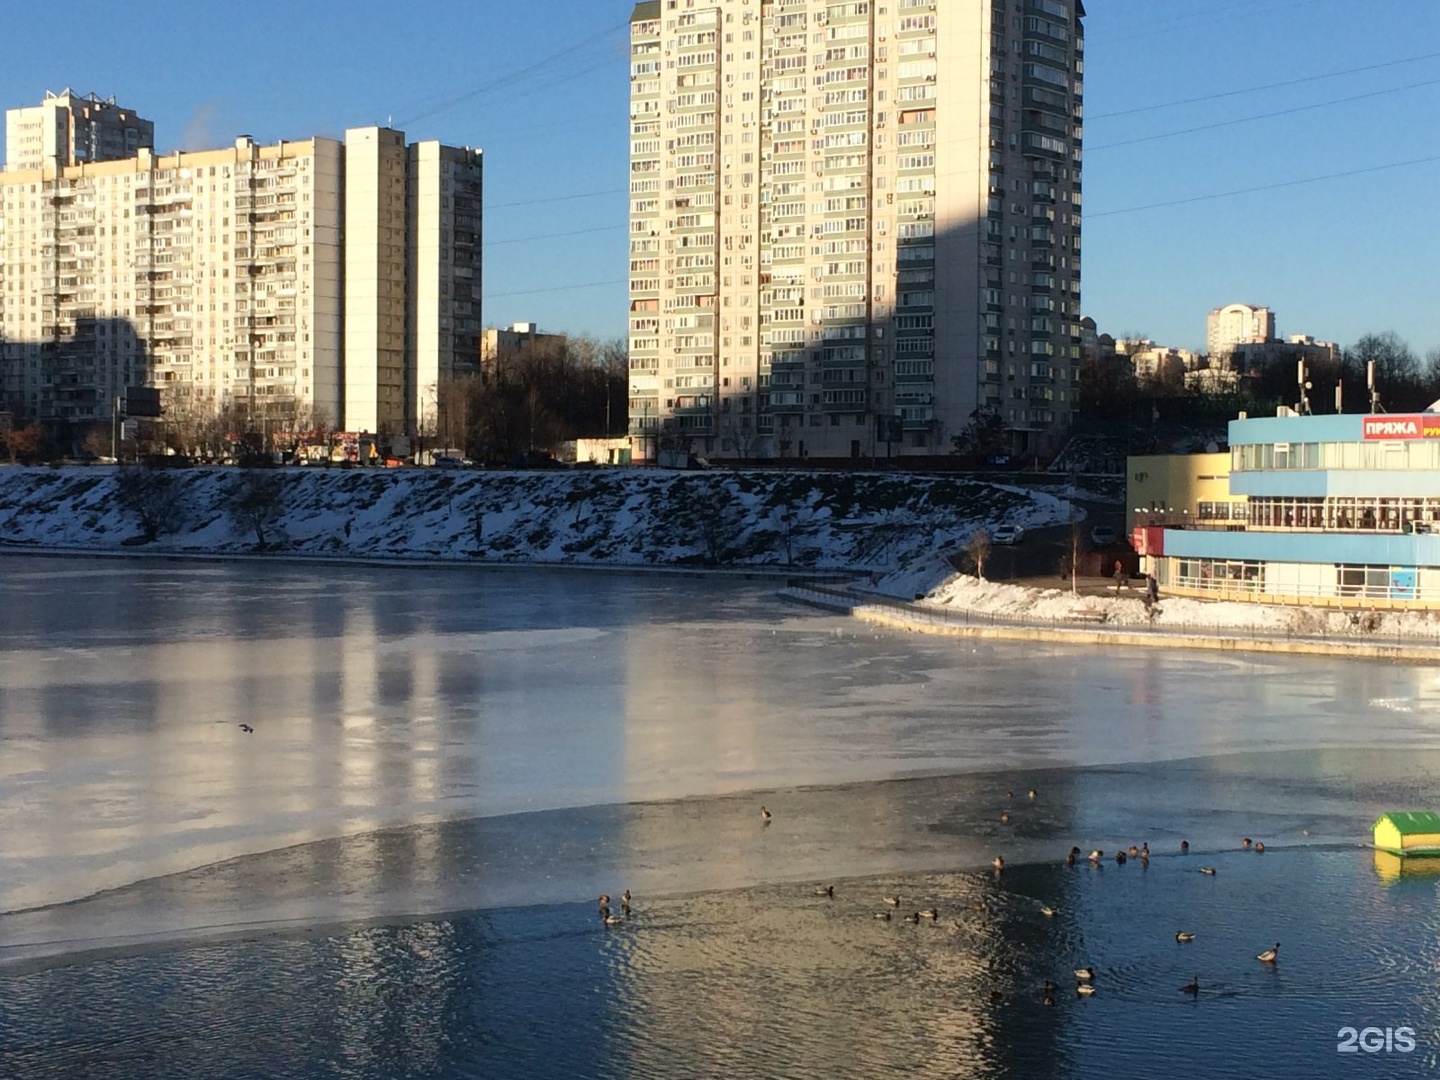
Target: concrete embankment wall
(916,619)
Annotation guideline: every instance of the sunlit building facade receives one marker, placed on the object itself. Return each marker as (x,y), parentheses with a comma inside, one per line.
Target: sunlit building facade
(1332,510)
(307,282)
(853,224)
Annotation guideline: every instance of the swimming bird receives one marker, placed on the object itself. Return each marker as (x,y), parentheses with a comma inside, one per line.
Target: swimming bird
(1049,987)
(1184,847)
(930,913)
(1070,859)
(1192,987)
(882,915)
(1134,852)
(893,901)
(1005,819)
(1085,974)
(247,729)
(1047,1001)
(1096,855)
(1259,848)
(1084,990)
(765,815)
(613,920)
(1009,794)
(1049,912)
(998,862)
(825,890)
(625,898)
(996,997)
(1033,793)
(1120,858)
(1246,842)
(1145,850)
(1269,956)
(979,905)
(1184,935)
(913,917)
(1208,870)
(604,899)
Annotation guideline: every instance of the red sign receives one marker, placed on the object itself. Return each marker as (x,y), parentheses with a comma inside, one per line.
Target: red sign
(1403,427)
(1147,540)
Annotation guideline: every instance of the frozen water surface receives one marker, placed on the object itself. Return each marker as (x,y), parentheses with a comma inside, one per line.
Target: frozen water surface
(446,764)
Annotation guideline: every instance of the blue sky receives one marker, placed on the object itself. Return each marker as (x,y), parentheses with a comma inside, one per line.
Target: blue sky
(542,87)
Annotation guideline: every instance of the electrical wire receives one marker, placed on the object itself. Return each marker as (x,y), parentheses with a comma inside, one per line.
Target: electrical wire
(556,288)
(557,198)
(555,236)
(1091,215)
(1262,116)
(1257,89)
(512,76)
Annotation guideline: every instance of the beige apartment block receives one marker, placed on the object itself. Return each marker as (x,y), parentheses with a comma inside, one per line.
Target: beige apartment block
(302,283)
(1237,324)
(443,299)
(853,224)
(67,129)
(214,276)
(375,243)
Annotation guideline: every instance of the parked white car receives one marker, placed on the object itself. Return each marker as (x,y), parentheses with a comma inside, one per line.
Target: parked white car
(1103,535)
(1006,534)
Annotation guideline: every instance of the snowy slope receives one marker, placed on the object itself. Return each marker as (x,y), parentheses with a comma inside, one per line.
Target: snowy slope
(873,522)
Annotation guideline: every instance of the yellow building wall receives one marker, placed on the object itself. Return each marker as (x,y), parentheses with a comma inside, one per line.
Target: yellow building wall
(1176,484)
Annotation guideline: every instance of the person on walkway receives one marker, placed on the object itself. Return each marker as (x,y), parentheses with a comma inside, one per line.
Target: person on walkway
(1119,575)
(1152,588)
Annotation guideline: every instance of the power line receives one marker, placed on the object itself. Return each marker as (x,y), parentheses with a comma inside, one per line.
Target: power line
(557,198)
(1090,216)
(556,288)
(554,236)
(1265,116)
(512,76)
(1257,89)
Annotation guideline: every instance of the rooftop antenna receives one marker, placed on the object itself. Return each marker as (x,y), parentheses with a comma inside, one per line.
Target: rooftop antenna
(1303,408)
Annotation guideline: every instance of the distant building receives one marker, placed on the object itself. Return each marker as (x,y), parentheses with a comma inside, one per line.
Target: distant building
(1152,361)
(1237,324)
(498,342)
(66,129)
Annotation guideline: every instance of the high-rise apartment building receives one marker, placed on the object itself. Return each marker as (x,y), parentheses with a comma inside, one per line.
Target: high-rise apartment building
(66,129)
(1237,324)
(853,224)
(291,284)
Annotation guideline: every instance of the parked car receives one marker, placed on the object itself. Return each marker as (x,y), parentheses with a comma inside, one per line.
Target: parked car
(1103,535)
(1007,534)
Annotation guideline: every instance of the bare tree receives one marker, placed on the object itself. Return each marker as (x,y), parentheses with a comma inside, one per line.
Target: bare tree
(154,497)
(256,503)
(979,550)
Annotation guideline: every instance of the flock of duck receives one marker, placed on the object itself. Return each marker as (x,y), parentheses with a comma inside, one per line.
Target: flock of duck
(1084,976)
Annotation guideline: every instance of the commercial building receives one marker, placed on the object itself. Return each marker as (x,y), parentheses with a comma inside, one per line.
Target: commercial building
(1340,509)
(853,225)
(66,129)
(305,282)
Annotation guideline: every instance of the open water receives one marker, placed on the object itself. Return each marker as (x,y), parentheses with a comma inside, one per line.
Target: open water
(395,874)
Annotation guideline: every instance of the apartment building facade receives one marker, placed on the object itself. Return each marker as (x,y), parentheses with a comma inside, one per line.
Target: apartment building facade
(853,224)
(226,278)
(1237,324)
(67,129)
